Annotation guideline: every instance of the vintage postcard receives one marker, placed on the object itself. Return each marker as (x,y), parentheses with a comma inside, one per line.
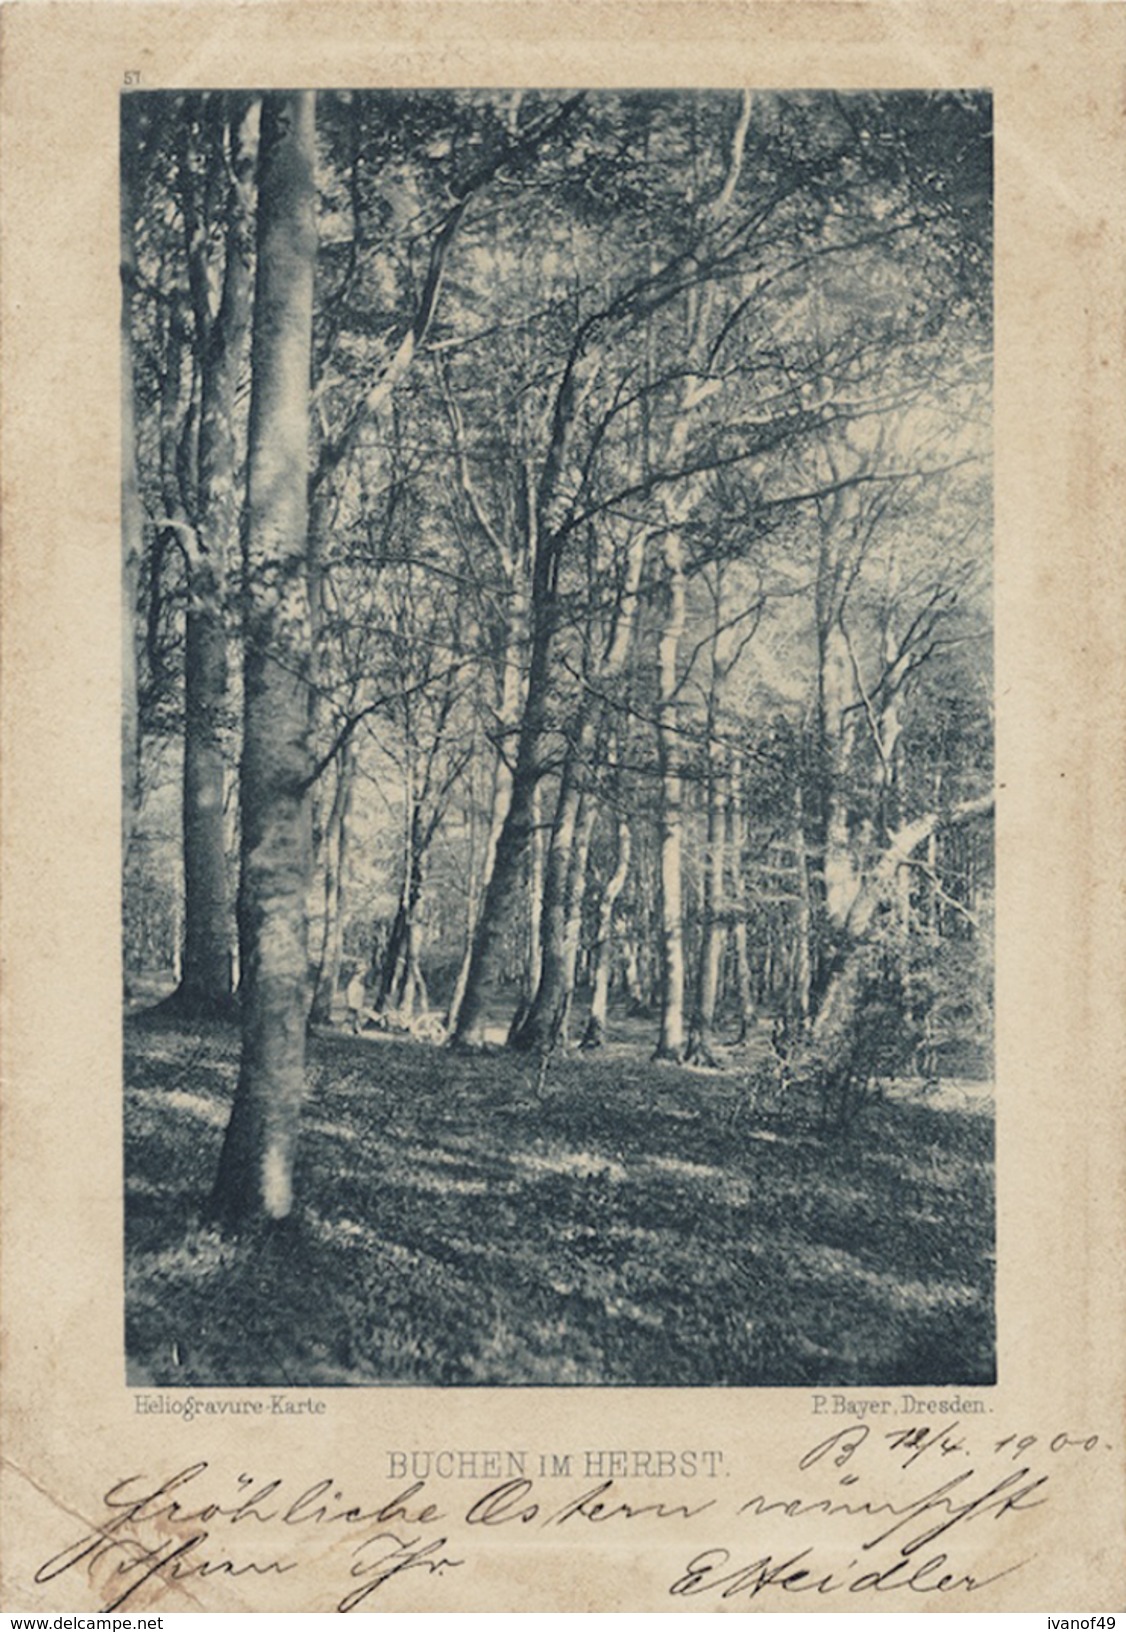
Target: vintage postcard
(563,684)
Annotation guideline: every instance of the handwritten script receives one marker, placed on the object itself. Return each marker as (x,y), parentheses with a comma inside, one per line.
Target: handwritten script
(907,1511)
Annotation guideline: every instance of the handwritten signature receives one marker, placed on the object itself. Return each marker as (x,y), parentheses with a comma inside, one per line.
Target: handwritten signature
(895,1553)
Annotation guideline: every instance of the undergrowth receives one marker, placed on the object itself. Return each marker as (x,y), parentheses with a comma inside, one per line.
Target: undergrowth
(622,1223)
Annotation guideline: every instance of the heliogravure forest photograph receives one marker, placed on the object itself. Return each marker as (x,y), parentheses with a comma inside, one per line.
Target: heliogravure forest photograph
(557,749)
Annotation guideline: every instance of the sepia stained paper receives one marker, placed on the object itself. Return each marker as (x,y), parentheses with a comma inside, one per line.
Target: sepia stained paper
(71,1429)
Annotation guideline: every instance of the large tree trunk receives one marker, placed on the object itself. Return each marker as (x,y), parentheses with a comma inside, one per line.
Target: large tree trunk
(544,1023)
(538,1026)
(255,1178)
(512,846)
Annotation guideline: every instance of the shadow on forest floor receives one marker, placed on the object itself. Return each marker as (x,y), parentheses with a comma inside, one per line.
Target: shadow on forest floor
(626,1224)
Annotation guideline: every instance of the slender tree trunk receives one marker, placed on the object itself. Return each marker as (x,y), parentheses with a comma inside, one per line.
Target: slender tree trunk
(766,968)
(933,894)
(670,1043)
(841,878)
(802,996)
(701,1046)
(395,957)
(736,839)
(413,996)
(178,426)
(512,677)
(479,878)
(335,864)
(501,890)
(538,872)
(472,895)
(402,986)
(631,973)
(887,732)
(205,985)
(255,1177)
(576,898)
(701,1041)
(595,1034)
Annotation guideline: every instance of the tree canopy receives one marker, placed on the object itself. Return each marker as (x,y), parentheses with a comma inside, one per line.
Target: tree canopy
(642,453)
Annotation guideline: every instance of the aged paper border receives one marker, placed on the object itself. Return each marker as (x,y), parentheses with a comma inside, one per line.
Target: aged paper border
(69,1426)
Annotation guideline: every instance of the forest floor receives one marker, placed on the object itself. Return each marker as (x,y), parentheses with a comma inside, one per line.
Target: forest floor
(618,1223)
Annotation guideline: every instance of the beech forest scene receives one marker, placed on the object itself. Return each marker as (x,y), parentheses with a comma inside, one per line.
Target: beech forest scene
(557,738)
